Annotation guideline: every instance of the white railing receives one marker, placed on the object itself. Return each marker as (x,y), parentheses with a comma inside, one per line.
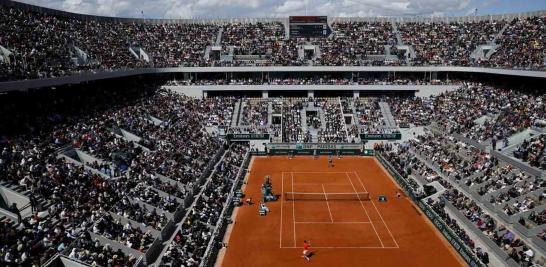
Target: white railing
(207,256)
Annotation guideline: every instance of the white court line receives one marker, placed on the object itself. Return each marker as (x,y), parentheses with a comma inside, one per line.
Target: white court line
(332,222)
(390,233)
(349,247)
(311,183)
(293,210)
(356,247)
(362,204)
(282,204)
(317,193)
(327,204)
(317,172)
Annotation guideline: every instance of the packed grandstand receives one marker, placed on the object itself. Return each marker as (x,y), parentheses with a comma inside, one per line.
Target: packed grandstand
(64,45)
(136,170)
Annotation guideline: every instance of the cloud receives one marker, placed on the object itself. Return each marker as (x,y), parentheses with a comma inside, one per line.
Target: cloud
(259,8)
(228,3)
(290,6)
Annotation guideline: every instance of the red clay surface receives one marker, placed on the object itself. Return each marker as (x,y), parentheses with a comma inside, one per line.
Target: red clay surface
(342,232)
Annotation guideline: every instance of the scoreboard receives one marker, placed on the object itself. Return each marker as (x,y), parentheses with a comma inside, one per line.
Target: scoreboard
(309,26)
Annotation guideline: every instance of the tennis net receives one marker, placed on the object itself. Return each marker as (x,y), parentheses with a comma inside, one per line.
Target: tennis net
(326,196)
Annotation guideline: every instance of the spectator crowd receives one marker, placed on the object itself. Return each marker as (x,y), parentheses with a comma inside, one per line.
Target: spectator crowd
(496,113)
(532,151)
(42,45)
(459,164)
(72,200)
(190,243)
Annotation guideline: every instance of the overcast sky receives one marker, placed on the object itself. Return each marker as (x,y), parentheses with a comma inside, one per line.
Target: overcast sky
(284,8)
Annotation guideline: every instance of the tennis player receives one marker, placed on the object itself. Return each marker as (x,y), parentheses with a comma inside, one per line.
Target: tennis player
(306,250)
(330,161)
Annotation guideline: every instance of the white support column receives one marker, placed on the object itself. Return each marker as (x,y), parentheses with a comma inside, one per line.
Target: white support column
(356,93)
(311,93)
(265,94)
(343,119)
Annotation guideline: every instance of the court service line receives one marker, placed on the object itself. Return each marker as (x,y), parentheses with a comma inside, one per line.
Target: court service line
(390,233)
(364,208)
(349,247)
(318,172)
(332,222)
(282,204)
(315,183)
(293,210)
(356,247)
(327,204)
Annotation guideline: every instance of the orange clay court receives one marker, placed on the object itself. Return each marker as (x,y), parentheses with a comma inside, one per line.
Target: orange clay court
(342,232)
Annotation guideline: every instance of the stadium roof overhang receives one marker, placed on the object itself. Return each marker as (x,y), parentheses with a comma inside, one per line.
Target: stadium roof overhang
(418,90)
(321,87)
(86,77)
